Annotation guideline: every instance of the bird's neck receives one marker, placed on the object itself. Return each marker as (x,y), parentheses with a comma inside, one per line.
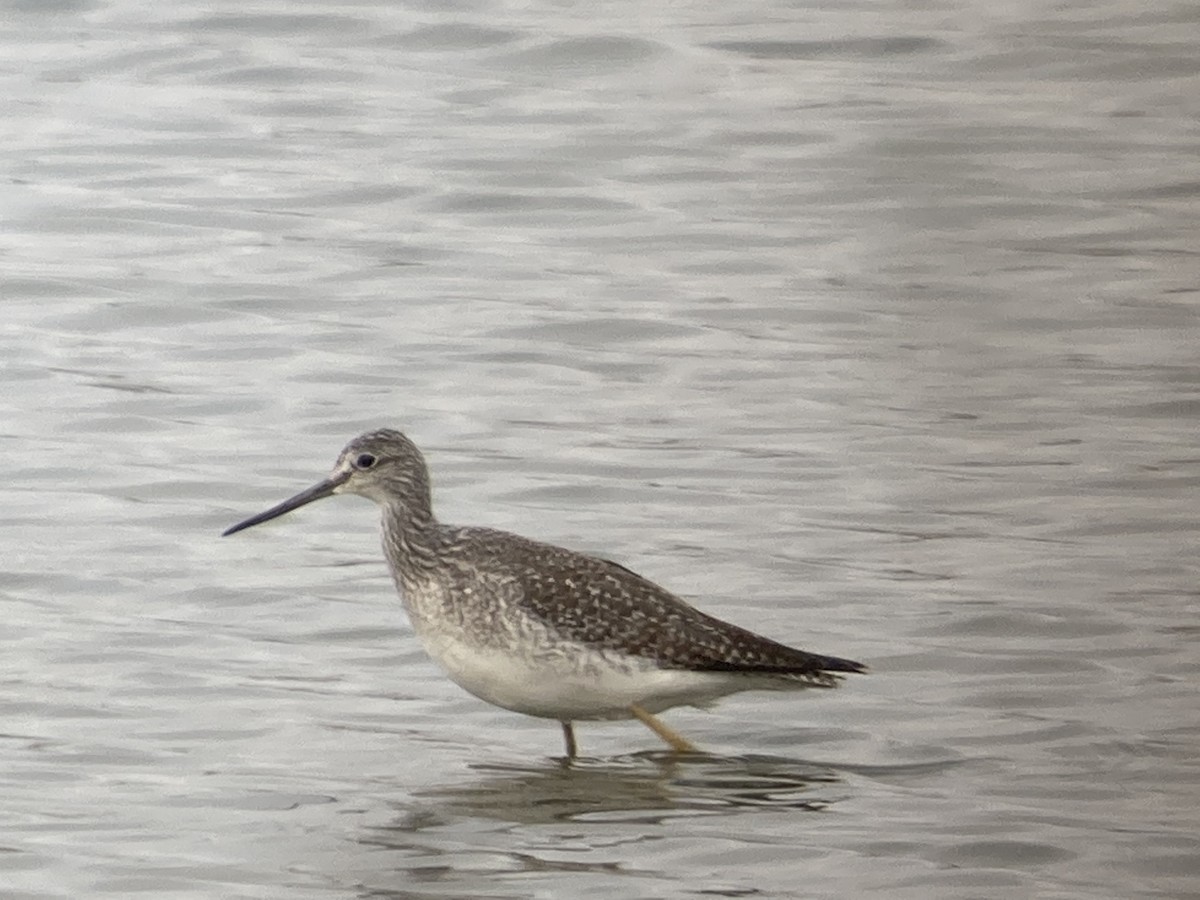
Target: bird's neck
(409,540)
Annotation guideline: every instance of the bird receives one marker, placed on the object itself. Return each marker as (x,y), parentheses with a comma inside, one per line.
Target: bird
(546,631)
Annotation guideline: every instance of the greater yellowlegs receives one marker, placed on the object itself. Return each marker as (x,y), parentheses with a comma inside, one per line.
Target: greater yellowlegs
(546,631)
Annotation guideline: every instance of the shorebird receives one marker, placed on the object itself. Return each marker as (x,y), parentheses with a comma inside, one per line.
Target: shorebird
(543,630)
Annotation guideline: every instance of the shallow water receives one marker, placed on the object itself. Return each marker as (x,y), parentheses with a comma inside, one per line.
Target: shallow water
(871,328)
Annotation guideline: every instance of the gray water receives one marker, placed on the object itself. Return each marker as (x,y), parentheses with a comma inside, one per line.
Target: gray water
(872,327)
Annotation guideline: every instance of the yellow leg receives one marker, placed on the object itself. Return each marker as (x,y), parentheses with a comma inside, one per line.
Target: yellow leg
(678,743)
(569,737)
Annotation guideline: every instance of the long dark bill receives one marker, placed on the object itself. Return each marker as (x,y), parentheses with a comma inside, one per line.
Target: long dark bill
(316,492)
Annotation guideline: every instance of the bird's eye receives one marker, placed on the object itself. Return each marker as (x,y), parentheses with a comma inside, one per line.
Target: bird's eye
(364,461)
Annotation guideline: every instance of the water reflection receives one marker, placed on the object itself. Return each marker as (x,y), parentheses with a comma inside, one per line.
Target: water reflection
(641,787)
(563,824)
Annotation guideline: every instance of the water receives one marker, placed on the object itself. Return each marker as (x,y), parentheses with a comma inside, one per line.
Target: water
(870,327)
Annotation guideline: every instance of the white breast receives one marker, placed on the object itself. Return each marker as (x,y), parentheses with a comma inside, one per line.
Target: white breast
(569,682)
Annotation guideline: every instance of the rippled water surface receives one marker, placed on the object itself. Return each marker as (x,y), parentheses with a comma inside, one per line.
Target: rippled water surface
(872,327)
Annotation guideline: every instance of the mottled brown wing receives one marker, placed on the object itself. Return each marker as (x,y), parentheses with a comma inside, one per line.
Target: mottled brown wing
(601,603)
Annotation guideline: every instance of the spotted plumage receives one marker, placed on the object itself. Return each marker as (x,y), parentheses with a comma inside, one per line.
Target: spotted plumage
(544,630)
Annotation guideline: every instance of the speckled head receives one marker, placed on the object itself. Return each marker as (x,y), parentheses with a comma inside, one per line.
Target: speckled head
(384,466)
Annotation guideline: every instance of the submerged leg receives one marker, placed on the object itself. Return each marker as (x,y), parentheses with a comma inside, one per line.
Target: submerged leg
(569,737)
(678,743)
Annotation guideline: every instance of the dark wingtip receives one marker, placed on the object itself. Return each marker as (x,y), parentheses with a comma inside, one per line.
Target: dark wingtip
(837,664)
(820,671)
